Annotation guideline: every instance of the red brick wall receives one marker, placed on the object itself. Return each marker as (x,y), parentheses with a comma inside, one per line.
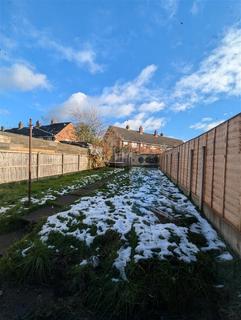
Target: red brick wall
(67,134)
(147,150)
(111,140)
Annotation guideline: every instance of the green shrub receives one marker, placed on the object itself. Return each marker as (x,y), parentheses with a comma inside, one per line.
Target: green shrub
(28,263)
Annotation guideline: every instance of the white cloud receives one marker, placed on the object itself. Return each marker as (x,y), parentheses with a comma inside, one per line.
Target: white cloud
(132,99)
(206,124)
(218,74)
(120,100)
(153,106)
(141,119)
(22,77)
(32,37)
(206,119)
(182,67)
(135,90)
(125,109)
(84,57)
(170,6)
(195,7)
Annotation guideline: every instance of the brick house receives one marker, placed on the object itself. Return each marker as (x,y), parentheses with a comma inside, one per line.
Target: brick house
(137,141)
(62,131)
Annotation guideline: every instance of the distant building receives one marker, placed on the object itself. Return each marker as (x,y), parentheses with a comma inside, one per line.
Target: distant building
(137,141)
(62,131)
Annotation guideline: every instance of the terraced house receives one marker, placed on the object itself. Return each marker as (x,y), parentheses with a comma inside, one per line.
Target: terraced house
(61,131)
(138,141)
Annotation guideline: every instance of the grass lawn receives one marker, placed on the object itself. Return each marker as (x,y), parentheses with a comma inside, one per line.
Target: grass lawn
(14,201)
(135,249)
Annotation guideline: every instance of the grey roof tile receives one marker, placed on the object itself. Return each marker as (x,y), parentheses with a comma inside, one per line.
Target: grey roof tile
(135,136)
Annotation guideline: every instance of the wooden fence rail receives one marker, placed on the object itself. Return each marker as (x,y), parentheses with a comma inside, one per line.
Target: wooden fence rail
(208,169)
(14,164)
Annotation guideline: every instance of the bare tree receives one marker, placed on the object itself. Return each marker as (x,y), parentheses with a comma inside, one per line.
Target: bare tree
(89,125)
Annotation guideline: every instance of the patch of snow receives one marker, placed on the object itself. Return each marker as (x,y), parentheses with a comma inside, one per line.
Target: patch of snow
(123,208)
(51,194)
(226,256)
(121,261)
(40,201)
(5,209)
(94,261)
(24,251)
(219,286)
(83,262)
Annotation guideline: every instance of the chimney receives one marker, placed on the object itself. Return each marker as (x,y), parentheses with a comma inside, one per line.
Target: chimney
(2,128)
(20,125)
(161,134)
(128,127)
(141,131)
(52,121)
(155,133)
(37,124)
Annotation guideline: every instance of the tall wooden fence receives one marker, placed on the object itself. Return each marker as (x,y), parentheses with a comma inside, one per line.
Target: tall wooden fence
(14,164)
(208,169)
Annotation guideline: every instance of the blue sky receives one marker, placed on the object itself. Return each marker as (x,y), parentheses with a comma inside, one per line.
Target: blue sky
(171,65)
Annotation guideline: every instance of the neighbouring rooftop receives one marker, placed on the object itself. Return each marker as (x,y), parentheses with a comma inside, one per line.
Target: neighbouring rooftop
(40,131)
(126,134)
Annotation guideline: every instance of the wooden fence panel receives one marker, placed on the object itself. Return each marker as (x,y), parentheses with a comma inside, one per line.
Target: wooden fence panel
(201,144)
(219,169)
(175,166)
(209,167)
(185,157)
(215,183)
(195,166)
(181,166)
(14,165)
(233,174)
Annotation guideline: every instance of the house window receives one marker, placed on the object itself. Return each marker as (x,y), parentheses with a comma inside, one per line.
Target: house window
(125,143)
(134,144)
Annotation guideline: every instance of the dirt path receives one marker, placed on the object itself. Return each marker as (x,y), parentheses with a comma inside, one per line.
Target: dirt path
(7,239)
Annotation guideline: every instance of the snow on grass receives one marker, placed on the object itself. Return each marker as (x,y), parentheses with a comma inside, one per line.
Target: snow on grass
(226,256)
(130,205)
(40,201)
(92,178)
(5,209)
(122,259)
(77,184)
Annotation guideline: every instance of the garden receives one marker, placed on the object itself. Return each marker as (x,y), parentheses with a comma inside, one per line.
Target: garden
(135,247)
